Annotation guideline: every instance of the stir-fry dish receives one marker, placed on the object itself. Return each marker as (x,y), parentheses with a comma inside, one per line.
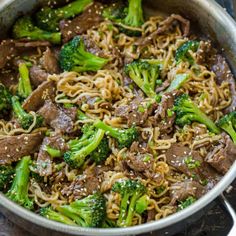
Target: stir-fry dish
(109,117)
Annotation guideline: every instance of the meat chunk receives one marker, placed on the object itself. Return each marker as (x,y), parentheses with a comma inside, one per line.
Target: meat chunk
(221,68)
(83,185)
(13,148)
(222,156)
(56,118)
(190,163)
(91,17)
(7,52)
(46,90)
(162,119)
(44,161)
(49,62)
(204,52)
(136,112)
(181,190)
(37,75)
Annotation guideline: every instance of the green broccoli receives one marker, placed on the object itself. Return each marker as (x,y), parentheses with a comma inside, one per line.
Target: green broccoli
(187,112)
(145,75)
(101,153)
(87,212)
(6,176)
(74,57)
(182,53)
(48,18)
(142,204)
(53,152)
(108,223)
(125,137)
(50,214)
(24,85)
(115,11)
(187,202)
(19,189)
(24,28)
(179,80)
(81,148)
(5,98)
(25,119)
(228,124)
(130,191)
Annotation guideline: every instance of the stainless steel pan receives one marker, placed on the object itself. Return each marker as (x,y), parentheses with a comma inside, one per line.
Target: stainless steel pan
(215,23)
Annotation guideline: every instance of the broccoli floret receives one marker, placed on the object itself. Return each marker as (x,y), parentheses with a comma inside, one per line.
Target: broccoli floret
(74,57)
(188,201)
(48,18)
(187,112)
(115,11)
(130,191)
(130,18)
(25,119)
(5,98)
(125,137)
(228,124)
(19,188)
(179,80)
(53,152)
(24,85)
(145,75)
(182,53)
(24,28)
(87,212)
(50,214)
(6,176)
(101,153)
(81,148)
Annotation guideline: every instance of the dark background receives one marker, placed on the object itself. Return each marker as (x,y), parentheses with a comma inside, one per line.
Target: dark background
(215,222)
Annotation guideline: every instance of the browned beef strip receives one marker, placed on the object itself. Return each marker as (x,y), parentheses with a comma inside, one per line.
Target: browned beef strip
(56,118)
(222,156)
(44,161)
(83,185)
(176,156)
(163,86)
(204,52)
(223,73)
(151,215)
(7,52)
(46,90)
(37,75)
(49,62)
(12,48)
(164,27)
(8,77)
(179,191)
(91,17)
(161,118)
(136,112)
(92,47)
(13,148)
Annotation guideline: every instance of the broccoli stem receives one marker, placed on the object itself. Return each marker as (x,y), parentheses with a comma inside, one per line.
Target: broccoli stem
(92,146)
(134,17)
(70,212)
(24,118)
(179,80)
(53,152)
(53,215)
(131,210)
(113,132)
(230,130)
(24,86)
(73,8)
(123,209)
(19,189)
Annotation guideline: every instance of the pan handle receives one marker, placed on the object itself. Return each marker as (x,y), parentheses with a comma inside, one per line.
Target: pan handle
(228,208)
